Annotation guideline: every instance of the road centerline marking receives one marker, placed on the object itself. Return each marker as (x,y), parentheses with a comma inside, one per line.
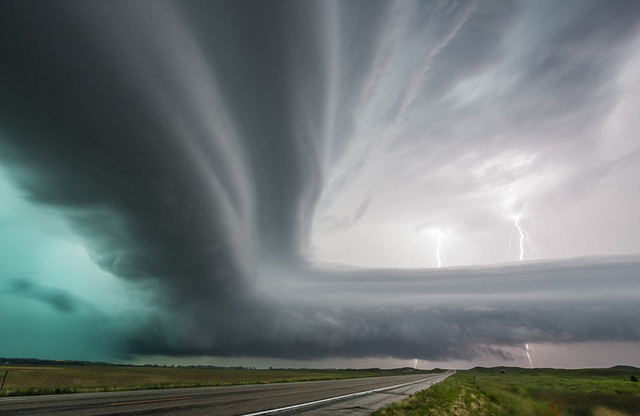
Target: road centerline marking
(150,401)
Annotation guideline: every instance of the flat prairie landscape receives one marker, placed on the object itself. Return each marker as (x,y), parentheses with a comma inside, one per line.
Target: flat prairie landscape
(40,379)
(517,392)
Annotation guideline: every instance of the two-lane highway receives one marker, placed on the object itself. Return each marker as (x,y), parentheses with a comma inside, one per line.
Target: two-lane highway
(227,401)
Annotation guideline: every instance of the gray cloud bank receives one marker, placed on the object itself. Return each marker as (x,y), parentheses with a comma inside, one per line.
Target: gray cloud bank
(465,313)
(194,144)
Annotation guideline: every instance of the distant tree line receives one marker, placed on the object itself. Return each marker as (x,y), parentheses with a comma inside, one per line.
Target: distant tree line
(36,361)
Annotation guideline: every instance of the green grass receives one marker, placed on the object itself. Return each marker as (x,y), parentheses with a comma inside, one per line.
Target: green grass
(30,380)
(455,396)
(511,391)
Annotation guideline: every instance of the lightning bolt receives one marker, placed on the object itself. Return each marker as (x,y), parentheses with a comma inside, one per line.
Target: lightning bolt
(444,248)
(524,240)
(526,346)
(438,251)
(517,225)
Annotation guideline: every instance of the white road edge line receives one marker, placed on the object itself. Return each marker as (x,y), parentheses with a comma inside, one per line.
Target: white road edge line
(360,393)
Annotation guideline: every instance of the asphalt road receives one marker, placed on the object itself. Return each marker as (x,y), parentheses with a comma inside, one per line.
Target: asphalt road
(226,401)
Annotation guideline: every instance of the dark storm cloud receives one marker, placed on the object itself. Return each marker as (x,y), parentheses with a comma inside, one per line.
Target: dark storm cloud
(102,117)
(82,136)
(189,144)
(57,299)
(450,314)
(429,333)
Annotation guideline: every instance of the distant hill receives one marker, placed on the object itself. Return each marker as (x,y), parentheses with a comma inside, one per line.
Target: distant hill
(620,370)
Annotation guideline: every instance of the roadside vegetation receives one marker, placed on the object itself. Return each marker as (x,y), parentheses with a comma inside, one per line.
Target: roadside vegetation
(38,379)
(523,392)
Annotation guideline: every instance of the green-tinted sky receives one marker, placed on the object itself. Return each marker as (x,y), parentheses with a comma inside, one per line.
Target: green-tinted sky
(56,302)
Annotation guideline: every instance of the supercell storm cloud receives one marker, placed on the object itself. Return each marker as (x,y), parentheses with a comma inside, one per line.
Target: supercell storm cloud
(305,180)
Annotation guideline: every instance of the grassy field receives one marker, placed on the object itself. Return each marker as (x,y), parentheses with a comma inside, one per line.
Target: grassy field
(29,379)
(522,392)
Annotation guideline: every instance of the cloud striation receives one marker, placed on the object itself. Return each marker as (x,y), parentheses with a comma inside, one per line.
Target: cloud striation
(220,152)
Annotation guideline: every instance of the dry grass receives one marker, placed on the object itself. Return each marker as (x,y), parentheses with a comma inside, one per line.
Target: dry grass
(604,411)
(28,380)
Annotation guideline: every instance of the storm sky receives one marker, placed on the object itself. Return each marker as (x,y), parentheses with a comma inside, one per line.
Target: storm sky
(314,183)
